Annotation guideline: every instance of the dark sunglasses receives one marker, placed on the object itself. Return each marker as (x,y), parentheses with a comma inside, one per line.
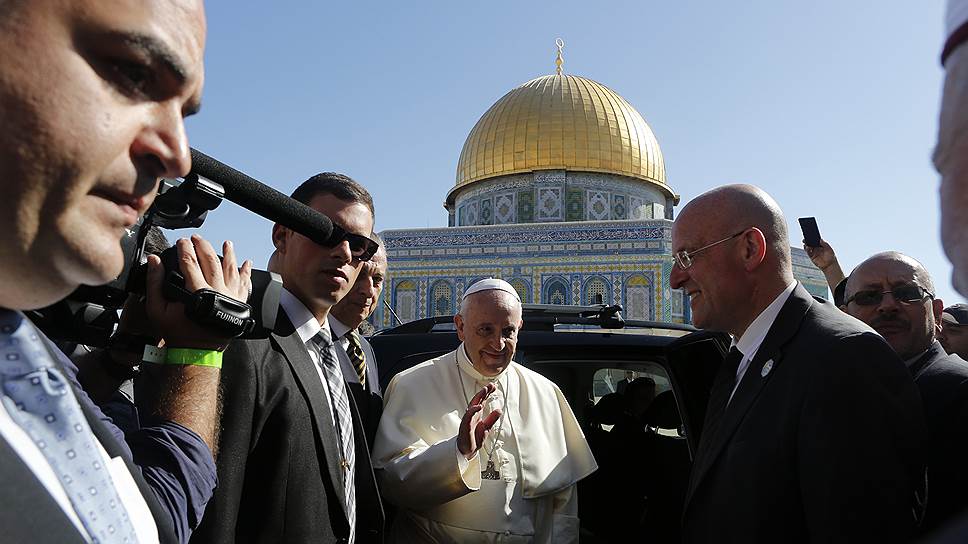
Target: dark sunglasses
(905,294)
(361,248)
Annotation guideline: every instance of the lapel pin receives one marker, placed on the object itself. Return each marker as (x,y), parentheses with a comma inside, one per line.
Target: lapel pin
(766,368)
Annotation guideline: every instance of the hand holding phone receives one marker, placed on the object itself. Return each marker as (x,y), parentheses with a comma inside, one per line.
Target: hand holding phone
(811,234)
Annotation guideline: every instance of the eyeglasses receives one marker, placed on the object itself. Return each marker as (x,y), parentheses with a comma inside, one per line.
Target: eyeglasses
(683,258)
(905,294)
(361,248)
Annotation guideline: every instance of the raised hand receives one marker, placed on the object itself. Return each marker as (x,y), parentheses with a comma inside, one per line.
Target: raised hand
(823,257)
(202,269)
(474,425)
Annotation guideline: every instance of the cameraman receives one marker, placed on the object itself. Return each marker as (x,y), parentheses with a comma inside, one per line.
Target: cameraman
(92,98)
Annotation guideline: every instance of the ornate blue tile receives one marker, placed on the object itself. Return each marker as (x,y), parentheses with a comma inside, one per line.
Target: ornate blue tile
(618,207)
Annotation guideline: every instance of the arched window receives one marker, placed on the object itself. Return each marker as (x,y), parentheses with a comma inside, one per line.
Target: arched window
(678,298)
(405,300)
(522,289)
(596,291)
(441,298)
(557,292)
(638,290)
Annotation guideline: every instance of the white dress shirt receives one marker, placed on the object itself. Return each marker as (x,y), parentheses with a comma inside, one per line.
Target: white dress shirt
(753,336)
(307,326)
(339,331)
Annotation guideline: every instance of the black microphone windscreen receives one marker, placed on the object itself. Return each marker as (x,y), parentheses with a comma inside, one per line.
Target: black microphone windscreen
(258,197)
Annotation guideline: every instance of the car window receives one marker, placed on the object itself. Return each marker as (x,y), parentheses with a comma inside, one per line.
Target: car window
(633,427)
(609,380)
(628,393)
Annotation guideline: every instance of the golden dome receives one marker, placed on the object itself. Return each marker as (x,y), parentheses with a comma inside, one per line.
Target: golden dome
(561,122)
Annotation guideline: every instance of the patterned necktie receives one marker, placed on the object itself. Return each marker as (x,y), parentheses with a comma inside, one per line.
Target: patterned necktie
(340,402)
(39,399)
(357,357)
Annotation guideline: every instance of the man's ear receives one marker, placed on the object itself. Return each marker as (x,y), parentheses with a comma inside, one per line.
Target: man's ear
(937,307)
(754,248)
(280,235)
(459,323)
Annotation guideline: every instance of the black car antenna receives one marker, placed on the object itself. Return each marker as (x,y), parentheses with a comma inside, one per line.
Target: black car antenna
(394,314)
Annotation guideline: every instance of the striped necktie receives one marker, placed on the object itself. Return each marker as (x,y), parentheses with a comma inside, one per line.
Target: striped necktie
(40,400)
(340,402)
(356,354)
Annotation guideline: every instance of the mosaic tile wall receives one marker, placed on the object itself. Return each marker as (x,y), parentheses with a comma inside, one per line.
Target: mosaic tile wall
(625,262)
(557,195)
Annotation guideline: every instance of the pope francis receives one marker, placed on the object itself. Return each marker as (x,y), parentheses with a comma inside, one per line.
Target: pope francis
(473,447)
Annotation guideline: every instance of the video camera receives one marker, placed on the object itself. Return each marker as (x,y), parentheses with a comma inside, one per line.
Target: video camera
(91,314)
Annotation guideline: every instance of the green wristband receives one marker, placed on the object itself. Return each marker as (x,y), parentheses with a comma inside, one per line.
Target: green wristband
(197,357)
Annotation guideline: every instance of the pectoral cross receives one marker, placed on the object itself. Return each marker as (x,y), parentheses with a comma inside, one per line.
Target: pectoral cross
(490,472)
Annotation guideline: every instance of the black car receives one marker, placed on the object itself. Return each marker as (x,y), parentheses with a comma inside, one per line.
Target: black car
(643,435)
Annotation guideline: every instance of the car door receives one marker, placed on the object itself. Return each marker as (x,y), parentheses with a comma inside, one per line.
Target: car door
(693,362)
(396,352)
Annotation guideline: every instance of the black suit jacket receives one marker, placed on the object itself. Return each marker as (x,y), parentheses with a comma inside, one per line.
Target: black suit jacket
(943,382)
(622,385)
(278,464)
(821,442)
(369,399)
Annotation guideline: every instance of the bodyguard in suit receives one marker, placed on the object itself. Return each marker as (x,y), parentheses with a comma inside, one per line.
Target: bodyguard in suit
(814,430)
(356,356)
(894,294)
(80,160)
(295,464)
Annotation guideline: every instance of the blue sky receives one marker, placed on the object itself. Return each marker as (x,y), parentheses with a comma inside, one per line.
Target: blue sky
(830,106)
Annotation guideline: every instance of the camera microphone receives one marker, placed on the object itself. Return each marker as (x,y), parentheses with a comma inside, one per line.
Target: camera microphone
(90,314)
(262,199)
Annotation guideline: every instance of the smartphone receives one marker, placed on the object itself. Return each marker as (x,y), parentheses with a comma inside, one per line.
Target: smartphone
(811,234)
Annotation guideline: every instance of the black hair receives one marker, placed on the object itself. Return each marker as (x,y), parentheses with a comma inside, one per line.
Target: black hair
(341,186)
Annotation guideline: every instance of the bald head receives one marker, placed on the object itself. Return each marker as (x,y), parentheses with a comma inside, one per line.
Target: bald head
(736,243)
(910,320)
(901,264)
(731,208)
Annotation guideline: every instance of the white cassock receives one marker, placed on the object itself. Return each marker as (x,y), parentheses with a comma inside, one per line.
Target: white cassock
(537,449)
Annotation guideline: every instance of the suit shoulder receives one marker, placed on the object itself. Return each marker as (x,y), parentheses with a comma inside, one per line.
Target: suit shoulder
(245,353)
(827,329)
(951,365)
(945,373)
(843,345)
(834,322)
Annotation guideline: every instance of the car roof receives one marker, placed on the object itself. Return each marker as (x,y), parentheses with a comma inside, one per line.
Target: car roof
(600,318)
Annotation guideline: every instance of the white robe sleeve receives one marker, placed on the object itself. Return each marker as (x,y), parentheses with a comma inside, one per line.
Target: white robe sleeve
(415,450)
(427,476)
